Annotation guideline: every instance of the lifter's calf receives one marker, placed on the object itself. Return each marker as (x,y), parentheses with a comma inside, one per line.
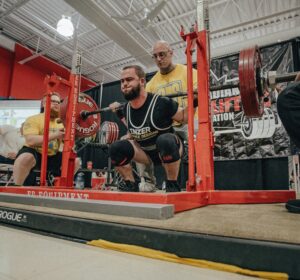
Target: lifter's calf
(170,150)
(121,153)
(126,172)
(22,166)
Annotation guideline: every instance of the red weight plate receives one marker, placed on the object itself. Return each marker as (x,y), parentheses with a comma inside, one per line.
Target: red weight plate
(242,72)
(243,78)
(252,84)
(260,82)
(245,93)
(258,104)
(115,133)
(89,126)
(249,65)
(109,133)
(252,110)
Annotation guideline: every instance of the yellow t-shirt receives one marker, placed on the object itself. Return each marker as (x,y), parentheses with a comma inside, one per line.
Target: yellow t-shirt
(34,125)
(171,83)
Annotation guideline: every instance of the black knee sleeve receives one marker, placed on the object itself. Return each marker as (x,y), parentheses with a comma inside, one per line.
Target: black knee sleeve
(168,146)
(121,152)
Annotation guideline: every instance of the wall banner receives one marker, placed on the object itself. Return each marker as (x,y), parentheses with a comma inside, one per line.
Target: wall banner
(239,137)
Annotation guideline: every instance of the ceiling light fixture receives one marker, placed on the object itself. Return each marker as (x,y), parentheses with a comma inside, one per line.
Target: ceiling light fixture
(65,26)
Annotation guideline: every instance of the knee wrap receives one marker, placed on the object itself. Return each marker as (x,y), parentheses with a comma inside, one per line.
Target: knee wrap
(168,146)
(121,152)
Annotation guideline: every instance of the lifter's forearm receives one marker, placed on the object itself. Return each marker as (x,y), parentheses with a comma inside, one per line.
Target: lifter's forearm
(37,140)
(181,115)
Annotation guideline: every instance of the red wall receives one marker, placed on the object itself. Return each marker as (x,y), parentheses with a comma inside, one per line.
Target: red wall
(6,64)
(26,81)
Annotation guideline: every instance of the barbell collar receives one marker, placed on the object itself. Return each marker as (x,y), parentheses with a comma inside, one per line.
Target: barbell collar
(288,77)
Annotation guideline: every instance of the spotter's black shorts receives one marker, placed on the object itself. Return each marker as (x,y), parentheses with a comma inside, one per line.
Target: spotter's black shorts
(53,162)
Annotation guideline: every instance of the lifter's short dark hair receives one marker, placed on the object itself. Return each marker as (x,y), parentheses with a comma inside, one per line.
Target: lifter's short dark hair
(138,70)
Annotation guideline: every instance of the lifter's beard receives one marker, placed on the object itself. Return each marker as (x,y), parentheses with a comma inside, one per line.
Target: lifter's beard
(54,114)
(133,94)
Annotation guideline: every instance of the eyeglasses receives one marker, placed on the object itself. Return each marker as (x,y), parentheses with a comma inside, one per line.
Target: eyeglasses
(56,102)
(160,55)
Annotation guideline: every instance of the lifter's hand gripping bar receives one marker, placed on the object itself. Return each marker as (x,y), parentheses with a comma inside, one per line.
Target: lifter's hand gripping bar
(85,114)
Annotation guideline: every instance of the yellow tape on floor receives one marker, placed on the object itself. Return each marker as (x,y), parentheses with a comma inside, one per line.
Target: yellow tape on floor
(155,254)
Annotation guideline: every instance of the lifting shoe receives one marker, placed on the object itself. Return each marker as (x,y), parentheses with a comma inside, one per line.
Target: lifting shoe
(129,186)
(172,186)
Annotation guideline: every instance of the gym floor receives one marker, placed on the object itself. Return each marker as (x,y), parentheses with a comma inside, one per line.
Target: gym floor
(29,256)
(259,237)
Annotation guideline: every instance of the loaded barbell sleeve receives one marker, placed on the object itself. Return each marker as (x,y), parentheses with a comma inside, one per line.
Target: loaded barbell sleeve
(277,78)
(287,77)
(271,80)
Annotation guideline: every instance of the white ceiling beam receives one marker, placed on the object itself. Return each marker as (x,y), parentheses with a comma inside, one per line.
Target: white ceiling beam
(7,43)
(53,41)
(266,40)
(139,31)
(254,21)
(25,60)
(13,8)
(92,12)
(89,50)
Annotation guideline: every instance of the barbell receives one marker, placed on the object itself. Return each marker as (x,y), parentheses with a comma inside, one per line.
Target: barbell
(252,84)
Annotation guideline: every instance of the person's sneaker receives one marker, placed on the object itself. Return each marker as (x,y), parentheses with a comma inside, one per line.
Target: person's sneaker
(129,187)
(293,206)
(146,185)
(172,186)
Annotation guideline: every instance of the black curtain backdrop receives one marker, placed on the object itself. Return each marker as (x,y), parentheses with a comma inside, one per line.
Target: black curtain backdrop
(242,174)
(252,174)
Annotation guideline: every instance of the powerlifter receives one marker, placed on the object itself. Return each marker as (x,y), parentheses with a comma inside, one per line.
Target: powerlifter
(288,106)
(151,138)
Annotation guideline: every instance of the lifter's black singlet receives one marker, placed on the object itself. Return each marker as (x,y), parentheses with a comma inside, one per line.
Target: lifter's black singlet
(146,123)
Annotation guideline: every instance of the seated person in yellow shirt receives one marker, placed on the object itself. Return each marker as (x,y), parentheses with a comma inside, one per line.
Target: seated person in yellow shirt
(29,157)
